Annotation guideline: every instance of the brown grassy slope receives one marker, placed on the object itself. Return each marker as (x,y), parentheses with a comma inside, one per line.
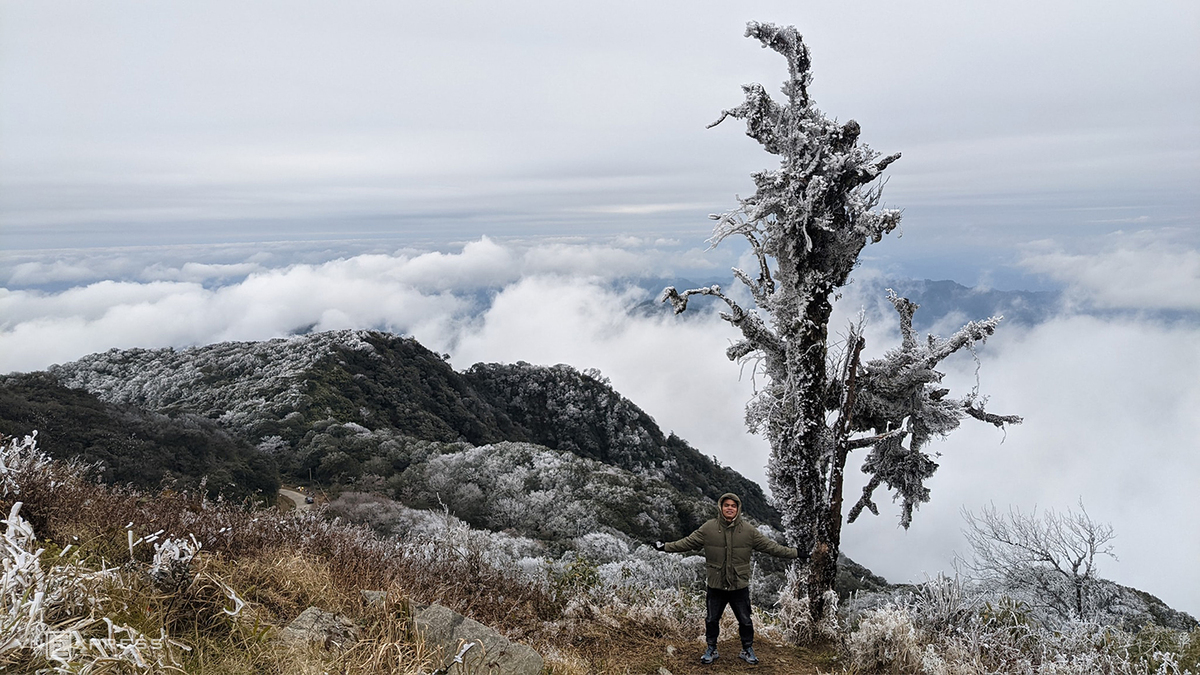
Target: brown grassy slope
(281,563)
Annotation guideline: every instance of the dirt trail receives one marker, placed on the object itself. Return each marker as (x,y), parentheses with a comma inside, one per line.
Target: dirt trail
(684,659)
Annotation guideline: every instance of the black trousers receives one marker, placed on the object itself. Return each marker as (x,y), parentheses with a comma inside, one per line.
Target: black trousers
(739,601)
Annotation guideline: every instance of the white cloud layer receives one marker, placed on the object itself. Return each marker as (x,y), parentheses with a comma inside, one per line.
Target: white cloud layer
(1109,403)
(1136,275)
(1109,408)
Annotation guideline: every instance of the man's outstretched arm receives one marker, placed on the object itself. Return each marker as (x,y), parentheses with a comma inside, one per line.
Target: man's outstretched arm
(691,542)
(765,544)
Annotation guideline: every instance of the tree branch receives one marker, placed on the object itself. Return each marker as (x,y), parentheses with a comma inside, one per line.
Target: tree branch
(983,416)
(865,501)
(872,440)
(757,335)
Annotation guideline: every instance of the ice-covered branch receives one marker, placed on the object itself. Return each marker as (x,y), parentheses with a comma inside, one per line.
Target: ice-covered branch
(868,441)
(758,337)
(970,334)
(679,301)
(762,117)
(870,172)
(902,391)
(976,410)
(905,308)
(759,289)
(788,42)
(865,501)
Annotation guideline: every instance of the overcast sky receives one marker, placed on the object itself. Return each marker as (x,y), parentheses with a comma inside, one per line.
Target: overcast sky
(1026,123)
(177,174)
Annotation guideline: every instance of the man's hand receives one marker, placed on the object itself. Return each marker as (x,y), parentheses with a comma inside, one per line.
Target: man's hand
(658,546)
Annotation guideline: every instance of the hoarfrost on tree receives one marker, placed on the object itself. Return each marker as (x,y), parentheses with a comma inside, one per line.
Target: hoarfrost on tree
(1050,562)
(806,224)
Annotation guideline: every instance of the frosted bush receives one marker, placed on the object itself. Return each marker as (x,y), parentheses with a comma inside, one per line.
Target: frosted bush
(941,603)
(532,568)
(602,547)
(650,569)
(886,641)
(796,616)
(17,456)
(172,562)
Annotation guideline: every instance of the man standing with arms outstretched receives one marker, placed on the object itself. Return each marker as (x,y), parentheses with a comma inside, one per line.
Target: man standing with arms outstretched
(728,541)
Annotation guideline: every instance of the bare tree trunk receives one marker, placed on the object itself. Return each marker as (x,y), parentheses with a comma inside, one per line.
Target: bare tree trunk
(823,570)
(801,455)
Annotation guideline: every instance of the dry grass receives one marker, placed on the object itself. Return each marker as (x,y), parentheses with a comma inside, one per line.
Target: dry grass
(260,568)
(280,563)
(277,563)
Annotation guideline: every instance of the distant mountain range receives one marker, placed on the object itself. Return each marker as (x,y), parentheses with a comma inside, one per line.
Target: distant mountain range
(937,299)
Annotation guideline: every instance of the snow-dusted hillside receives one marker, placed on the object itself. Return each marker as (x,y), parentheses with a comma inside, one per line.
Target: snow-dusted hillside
(363,407)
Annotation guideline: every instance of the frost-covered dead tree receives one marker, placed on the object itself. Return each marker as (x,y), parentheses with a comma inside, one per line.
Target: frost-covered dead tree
(1048,562)
(806,224)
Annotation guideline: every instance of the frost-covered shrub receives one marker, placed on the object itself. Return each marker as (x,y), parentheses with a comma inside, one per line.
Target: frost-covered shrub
(1003,639)
(941,603)
(434,534)
(886,641)
(172,562)
(545,493)
(796,615)
(18,456)
(602,547)
(647,568)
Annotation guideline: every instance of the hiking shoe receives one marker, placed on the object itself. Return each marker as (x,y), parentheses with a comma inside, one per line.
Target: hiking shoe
(710,655)
(748,656)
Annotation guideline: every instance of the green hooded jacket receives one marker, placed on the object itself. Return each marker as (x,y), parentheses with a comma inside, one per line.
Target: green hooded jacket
(727,547)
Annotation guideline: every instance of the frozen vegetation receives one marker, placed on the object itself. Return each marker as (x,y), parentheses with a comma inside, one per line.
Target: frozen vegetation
(806,224)
(103,580)
(381,413)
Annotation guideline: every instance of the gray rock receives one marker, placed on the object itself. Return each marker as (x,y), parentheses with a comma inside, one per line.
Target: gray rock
(316,626)
(374,598)
(492,653)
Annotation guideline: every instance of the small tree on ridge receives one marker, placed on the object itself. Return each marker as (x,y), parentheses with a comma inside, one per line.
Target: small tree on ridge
(1050,563)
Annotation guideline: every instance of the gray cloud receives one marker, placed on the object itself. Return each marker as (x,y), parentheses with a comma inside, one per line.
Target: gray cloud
(225,121)
(1141,271)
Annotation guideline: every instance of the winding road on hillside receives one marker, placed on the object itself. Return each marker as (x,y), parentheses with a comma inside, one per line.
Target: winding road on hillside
(297,498)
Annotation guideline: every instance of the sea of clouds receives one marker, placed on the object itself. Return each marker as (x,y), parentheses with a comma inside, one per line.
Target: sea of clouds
(1108,387)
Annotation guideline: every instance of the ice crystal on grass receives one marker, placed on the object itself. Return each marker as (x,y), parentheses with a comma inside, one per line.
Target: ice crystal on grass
(40,614)
(173,562)
(17,456)
(886,641)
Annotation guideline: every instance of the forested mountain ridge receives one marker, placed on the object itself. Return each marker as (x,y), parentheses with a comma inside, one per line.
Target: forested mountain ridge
(348,406)
(562,408)
(130,445)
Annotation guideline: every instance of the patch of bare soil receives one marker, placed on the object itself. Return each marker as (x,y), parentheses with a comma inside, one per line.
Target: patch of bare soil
(683,658)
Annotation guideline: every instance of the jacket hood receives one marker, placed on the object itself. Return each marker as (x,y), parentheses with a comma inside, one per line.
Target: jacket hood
(736,499)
